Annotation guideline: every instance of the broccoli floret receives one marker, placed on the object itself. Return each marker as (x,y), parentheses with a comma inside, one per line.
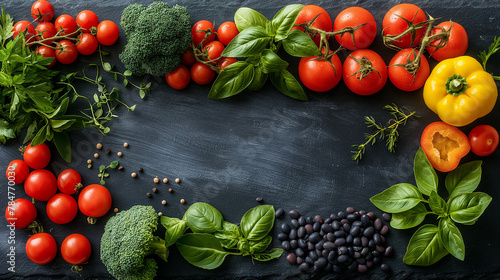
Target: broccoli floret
(128,239)
(156,37)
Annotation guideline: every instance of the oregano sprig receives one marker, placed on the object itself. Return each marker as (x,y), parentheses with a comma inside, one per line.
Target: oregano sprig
(103,171)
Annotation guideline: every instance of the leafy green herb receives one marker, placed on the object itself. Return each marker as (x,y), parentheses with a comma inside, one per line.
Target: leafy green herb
(430,243)
(485,55)
(103,171)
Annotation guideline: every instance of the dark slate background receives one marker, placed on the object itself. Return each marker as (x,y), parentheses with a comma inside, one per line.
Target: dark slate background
(295,155)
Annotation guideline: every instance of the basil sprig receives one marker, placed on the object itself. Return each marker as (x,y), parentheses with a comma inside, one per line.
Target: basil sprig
(259,41)
(407,202)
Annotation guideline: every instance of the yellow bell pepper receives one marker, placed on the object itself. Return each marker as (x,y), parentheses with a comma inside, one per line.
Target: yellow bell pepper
(459,91)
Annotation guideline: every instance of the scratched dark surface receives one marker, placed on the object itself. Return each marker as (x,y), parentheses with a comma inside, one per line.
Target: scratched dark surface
(295,155)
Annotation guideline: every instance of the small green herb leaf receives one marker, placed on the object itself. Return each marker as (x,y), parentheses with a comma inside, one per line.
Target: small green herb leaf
(245,17)
(259,78)
(463,179)
(425,247)
(284,20)
(299,44)
(63,145)
(285,82)
(274,253)
(232,80)
(174,229)
(229,235)
(251,41)
(203,218)
(398,198)
(201,250)
(271,62)
(409,218)
(451,238)
(257,222)
(468,207)
(260,246)
(425,175)
(437,204)
(113,164)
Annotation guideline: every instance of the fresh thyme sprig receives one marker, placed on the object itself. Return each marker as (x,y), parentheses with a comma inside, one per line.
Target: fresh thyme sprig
(390,132)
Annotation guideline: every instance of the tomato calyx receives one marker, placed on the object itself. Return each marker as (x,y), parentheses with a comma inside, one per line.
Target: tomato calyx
(91,220)
(412,30)
(35,227)
(456,85)
(365,68)
(76,268)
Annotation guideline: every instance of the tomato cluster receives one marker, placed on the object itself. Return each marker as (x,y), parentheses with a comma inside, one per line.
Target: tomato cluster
(64,38)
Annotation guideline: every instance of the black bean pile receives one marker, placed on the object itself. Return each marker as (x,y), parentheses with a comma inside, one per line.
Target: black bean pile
(349,240)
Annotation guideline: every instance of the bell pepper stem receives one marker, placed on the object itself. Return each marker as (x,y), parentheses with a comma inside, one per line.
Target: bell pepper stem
(456,85)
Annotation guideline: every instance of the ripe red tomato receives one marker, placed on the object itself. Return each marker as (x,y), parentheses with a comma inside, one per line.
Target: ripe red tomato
(41,248)
(87,20)
(41,184)
(107,32)
(69,181)
(202,74)
(67,24)
(483,140)
(226,32)
(21,213)
(87,44)
(214,50)
(199,31)
(226,61)
(61,208)
(365,72)
(68,54)
(399,18)
(403,79)
(17,171)
(179,78)
(45,51)
(47,31)
(94,201)
(323,21)
(37,157)
(456,44)
(363,36)
(320,75)
(24,25)
(187,58)
(76,249)
(42,8)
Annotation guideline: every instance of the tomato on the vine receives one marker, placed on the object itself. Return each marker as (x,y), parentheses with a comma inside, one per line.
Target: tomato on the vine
(42,8)
(76,249)
(483,140)
(401,17)
(363,23)
(179,78)
(226,32)
(61,208)
(67,24)
(107,32)
(456,42)
(187,58)
(69,181)
(365,72)
(226,61)
(214,50)
(87,43)
(87,20)
(45,51)
(200,30)
(41,184)
(402,78)
(17,171)
(323,21)
(202,74)
(21,213)
(24,25)
(68,54)
(41,248)
(38,156)
(47,31)
(320,75)
(94,201)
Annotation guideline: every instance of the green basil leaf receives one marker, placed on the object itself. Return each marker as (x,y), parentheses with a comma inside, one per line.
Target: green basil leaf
(398,198)
(61,109)
(271,62)
(174,229)
(259,79)
(468,207)
(299,44)
(229,235)
(246,17)
(201,250)
(437,204)
(274,253)
(464,179)
(203,218)
(284,20)
(257,222)
(232,80)
(425,175)
(409,218)
(285,82)
(40,137)
(243,246)
(451,238)
(251,41)
(260,246)
(60,125)
(63,145)
(424,247)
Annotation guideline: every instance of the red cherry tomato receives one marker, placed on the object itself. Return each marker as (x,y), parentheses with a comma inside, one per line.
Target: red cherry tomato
(483,140)
(107,32)
(41,184)
(94,201)
(76,249)
(24,25)
(17,171)
(202,74)
(214,50)
(187,58)
(403,79)
(87,20)
(42,8)
(323,21)
(67,24)
(87,44)
(41,248)
(68,54)
(456,43)
(365,72)
(226,61)
(363,21)
(47,31)
(320,75)
(179,78)
(37,157)
(397,20)
(45,51)
(61,208)
(20,213)
(199,31)
(226,32)
(69,181)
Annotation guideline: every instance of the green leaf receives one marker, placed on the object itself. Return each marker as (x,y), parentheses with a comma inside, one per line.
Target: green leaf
(271,62)
(274,253)
(174,229)
(463,179)
(30,132)
(451,238)
(246,17)
(98,113)
(125,82)
(285,82)
(251,41)
(40,137)
(232,80)
(102,182)
(409,218)
(6,132)
(113,164)
(425,175)
(63,145)
(284,20)
(259,246)
(61,109)
(106,130)
(102,167)
(437,204)
(257,222)
(203,218)
(468,207)
(59,125)
(425,247)
(106,66)
(127,73)
(259,79)
(142,93)
(299,44)
(229,235)
(201,250)
(398,198)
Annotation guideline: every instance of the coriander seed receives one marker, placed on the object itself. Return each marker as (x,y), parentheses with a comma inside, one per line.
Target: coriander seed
(98,146)
(156,180)
(125,145)
(115,210)
(133,175)
(170,190)
(160,214)
(96,155)
(164,202)
(177,180)
(165,180)
(119,154)
(183,201)
(155,190)
(89,161)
